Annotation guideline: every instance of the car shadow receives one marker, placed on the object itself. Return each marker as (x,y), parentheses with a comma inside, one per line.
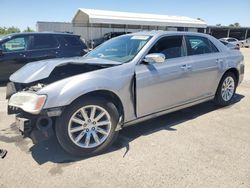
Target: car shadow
(50,150)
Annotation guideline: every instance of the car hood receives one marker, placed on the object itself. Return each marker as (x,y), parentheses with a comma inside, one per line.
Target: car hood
(39,70)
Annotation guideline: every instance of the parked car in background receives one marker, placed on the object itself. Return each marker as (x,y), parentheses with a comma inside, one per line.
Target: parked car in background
(96,42)
(247,43)
(232,41)
(111,35)
(126,80)
(18,49)
(230,45)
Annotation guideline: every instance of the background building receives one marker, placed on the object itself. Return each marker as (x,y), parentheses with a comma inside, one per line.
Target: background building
(54,26)
(93,24)
(240,33)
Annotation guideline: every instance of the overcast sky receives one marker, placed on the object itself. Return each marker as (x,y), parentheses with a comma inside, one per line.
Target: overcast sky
(23,13)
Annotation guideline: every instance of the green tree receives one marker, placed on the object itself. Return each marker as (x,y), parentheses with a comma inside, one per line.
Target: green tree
(28,29)
(218,25)
(13,30)
(8,30)
(236,24)
(2,30)
(200,19)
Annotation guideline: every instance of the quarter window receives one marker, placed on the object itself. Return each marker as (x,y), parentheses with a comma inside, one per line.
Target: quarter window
(171,47)
(16,44)
(198,45)
(44,42)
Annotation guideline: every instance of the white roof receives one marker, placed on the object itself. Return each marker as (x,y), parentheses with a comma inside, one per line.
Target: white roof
(128,18)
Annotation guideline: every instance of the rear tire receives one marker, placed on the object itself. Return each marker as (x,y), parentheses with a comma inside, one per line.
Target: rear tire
(226,89)
(79,131)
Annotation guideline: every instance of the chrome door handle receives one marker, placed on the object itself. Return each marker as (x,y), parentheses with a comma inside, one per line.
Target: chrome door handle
(219,61)
(186,67)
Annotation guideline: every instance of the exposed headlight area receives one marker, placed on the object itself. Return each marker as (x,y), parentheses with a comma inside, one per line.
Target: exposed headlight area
(28,102)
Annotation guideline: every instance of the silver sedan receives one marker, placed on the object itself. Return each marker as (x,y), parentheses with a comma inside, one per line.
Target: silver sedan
(125,80)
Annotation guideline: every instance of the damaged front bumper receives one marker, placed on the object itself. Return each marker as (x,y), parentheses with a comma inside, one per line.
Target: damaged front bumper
(31,118)
(38,127)
(24,125)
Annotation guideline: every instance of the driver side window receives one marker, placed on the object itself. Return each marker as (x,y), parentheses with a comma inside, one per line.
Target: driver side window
(171,47)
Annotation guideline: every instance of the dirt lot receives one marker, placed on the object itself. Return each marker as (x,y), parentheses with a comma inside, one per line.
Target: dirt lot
(200,146)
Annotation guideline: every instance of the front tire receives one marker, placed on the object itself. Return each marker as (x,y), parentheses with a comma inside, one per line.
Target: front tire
(226,90)
(87,126)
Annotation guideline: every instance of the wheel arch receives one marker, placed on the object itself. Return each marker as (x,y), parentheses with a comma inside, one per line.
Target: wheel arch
(109,95)
(235,72)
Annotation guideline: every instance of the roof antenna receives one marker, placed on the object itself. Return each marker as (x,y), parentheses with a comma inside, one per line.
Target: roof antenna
(3,153)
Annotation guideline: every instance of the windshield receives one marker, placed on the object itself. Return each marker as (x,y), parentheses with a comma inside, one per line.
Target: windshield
(121,49)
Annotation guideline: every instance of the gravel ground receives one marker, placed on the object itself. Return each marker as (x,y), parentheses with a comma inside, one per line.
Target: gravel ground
(202,146)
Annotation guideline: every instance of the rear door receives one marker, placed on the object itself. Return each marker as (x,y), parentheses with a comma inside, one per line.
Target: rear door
(43,46)
(205,60)
(14,55)
(71,45)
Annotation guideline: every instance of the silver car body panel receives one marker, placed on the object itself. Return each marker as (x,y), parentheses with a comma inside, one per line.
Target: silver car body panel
(160,88)
(41,69)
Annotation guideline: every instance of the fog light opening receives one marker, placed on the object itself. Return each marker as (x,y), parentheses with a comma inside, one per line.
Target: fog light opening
(44,123)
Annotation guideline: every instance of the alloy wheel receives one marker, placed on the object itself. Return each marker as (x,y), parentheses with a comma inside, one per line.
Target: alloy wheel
(228,88)
(89,126)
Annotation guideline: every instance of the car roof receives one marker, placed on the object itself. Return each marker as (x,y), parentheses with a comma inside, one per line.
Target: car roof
(161,32)
(37,33)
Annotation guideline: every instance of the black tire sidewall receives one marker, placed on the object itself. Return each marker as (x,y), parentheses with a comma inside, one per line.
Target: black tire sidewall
(218,97)
(61,126)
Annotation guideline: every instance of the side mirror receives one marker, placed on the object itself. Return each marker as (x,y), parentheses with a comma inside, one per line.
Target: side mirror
(1,52)
(155,58)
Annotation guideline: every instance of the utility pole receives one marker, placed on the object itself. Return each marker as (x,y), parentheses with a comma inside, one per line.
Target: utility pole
(228,33)
(246,34)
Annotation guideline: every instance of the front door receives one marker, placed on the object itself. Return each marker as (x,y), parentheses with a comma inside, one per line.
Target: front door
(13,56)
(160,86)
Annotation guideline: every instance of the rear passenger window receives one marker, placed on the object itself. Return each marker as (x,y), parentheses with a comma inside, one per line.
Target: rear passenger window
(171,47)
(44,42)
(72,40)
(198,45)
